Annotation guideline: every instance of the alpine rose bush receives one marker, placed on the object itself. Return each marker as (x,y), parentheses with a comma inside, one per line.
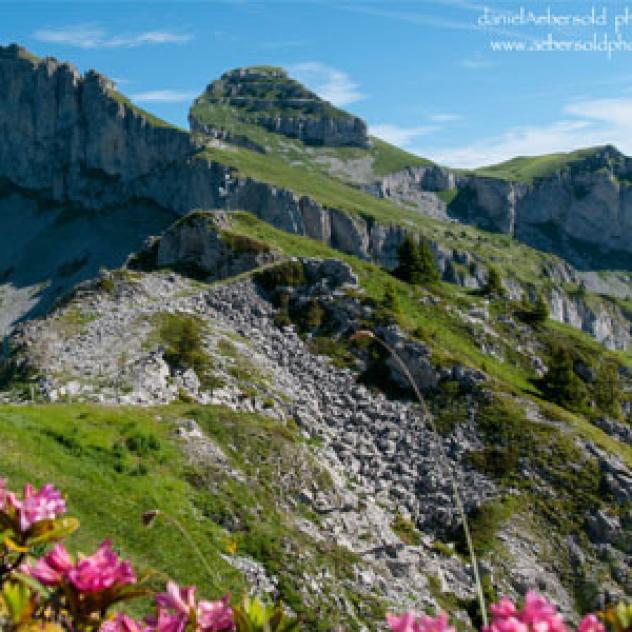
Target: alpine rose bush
(43,587)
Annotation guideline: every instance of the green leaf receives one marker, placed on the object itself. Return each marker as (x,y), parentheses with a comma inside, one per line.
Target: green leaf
(17,598)
(46,531)
(32,583)
(624,614)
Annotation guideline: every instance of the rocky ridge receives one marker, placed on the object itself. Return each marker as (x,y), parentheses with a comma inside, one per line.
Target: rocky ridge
(95,151)
(364,436)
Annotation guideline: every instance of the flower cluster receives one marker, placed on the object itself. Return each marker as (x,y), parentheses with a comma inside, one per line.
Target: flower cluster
(100,571)
(35,506)
(177,607)
(177,610)
(537,615)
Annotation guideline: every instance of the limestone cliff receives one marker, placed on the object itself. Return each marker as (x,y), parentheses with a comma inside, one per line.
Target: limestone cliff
(74,137)
(581,211)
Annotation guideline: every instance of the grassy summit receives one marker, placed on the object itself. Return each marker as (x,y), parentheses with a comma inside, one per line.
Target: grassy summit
(528,168)
(259,91)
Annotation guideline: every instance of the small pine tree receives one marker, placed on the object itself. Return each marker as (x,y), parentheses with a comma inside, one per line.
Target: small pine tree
(494,285)
(562,383)
(540,312)
(607,388)
(390,301)
(314,315)
(416,262)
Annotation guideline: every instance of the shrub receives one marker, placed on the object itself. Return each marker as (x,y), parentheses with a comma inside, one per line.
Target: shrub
(181,336)
(390,301)
(288,273)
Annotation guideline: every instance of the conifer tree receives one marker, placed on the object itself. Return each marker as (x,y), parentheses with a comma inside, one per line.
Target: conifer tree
(494,285)
(607,388)
(562,383)
(416,262)
(540,312)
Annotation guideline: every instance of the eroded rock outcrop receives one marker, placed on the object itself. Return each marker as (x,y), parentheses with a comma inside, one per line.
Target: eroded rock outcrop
(202,245)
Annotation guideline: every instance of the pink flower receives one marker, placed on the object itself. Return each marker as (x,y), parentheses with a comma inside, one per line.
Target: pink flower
(182,600)
(167,622)
(51,569)
(541,615)
(177,607)
(404,623)
(408,623)
(101,571)
(590,623)
(438,624)
(504,608)
(538,615)
(213,616)
(46,504)
(4,494)
(121,623)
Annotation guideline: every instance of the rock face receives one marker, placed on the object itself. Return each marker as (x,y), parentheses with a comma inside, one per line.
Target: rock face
(74,136)
(267,97)
(583,212)
(417,186)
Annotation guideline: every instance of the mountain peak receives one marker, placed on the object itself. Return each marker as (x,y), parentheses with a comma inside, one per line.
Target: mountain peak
(268,97)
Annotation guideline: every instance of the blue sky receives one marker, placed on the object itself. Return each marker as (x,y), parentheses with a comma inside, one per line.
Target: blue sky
(423,73)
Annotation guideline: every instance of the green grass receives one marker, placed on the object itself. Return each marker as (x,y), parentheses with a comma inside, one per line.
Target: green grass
(151,118)
(389,159)
(82,449)
(527,168)
(116,463)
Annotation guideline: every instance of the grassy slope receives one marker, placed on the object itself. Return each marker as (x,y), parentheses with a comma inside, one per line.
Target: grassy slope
(75,446)
(85,451)
(527,168)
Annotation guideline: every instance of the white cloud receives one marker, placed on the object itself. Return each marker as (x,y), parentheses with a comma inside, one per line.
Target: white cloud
(331,84)
(477,63)
(163,96)
(564,135)
(585,123)
(90,36)
(445,117)
(401,136)
(616,112)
